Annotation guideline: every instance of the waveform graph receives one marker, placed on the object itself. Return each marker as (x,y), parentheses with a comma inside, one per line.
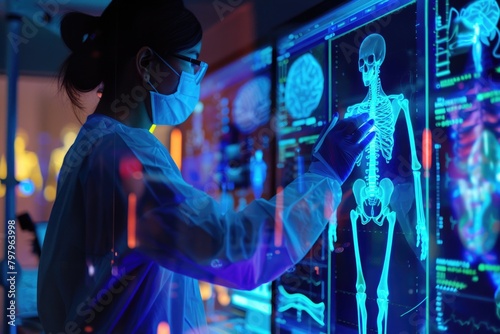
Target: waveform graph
(304,294)
(301,303)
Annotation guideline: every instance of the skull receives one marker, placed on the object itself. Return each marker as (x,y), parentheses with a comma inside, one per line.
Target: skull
(371,56)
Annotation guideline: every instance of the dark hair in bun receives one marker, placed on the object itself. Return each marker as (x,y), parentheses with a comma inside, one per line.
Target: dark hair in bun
(101,46)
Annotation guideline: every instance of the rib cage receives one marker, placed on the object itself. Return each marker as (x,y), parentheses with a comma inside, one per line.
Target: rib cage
(381,111)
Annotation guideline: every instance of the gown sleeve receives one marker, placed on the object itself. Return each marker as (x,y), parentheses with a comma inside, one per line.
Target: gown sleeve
(185,230)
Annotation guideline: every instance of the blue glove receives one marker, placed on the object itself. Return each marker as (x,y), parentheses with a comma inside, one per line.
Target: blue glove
(339,145)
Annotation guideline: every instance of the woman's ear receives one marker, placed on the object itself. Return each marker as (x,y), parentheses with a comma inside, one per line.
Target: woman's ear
(143,62)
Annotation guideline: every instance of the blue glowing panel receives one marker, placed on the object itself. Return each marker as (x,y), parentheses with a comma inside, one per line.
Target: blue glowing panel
(465,123)
(302,107)
(381,248)
(303,294)
(228,153)
(230,130)
(373,278)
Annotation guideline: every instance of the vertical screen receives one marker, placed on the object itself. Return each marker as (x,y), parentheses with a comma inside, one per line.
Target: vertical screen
(360,58)
(229,153)
(465,121)
(380,266)
(303,294)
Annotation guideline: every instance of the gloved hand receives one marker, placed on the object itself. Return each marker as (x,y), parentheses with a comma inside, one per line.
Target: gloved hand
(339,145)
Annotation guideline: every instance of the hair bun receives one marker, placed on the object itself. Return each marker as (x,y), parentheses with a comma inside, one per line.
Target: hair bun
(79,28)
(130,8)
(156,3)
(173,3)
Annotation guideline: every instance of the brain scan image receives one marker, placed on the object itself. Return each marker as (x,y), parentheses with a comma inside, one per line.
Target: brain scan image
(252,104)
(304,86)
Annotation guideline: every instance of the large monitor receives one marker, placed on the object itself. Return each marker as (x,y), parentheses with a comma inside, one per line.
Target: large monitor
(465,195)
(363,57)
(229,152)
(303,294)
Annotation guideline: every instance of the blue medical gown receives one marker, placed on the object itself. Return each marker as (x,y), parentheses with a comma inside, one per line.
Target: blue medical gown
(89,277)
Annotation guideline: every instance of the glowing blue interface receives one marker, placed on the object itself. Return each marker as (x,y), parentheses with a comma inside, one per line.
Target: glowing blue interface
(230,131)
(302,295)
(382,236)
(417,247)
(355,60)
(228,152)
(465,175)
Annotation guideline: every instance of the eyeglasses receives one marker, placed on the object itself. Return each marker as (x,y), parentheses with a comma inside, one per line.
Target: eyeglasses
(200,67)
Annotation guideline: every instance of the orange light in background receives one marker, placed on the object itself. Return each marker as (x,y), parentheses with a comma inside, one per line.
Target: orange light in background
(316,269)
(278,219)
(222,295)
(205,290)
(132,203)
(163,328)
(176,147)
(49,193)
(68,136)
(427,151)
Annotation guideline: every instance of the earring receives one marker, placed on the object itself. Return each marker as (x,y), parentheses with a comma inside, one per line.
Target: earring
(100,90)
(146,76)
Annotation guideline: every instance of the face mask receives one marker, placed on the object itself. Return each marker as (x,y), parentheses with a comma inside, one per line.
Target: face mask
(175,108)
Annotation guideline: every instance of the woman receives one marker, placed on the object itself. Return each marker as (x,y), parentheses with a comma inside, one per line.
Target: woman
(127,238)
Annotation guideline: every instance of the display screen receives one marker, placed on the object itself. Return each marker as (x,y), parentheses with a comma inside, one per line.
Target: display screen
(416,247)
(303,294)
(465,176)
(354,60)
(380,266)
(229,152)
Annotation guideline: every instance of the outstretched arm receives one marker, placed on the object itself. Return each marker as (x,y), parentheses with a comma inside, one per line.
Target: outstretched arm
(237,249)
(415,165)
(185,230)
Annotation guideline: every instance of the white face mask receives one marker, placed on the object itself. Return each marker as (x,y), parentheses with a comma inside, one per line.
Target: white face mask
(175,108)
